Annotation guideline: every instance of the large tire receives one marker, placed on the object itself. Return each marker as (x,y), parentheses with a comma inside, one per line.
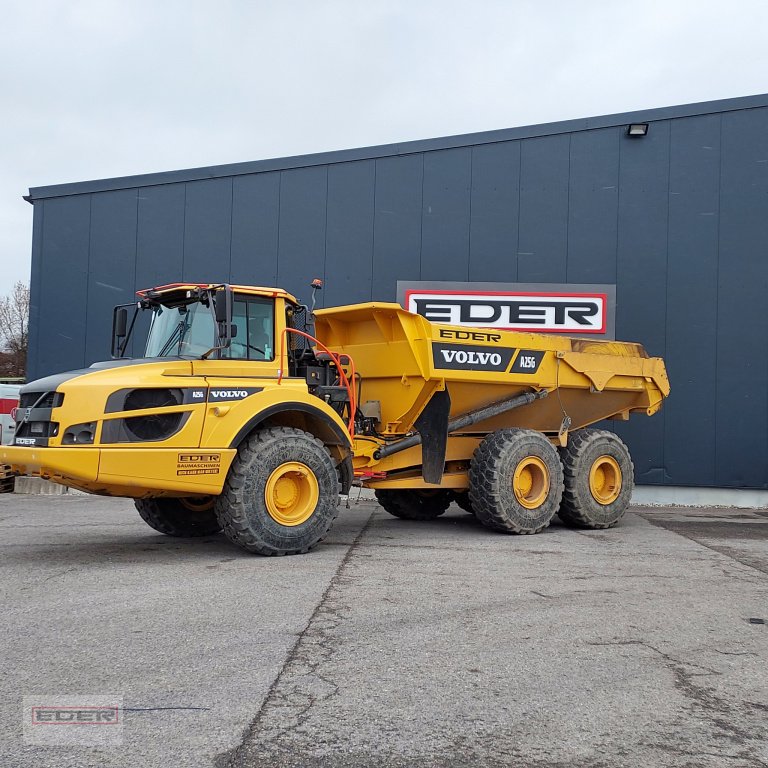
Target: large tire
(183,518)
(599,478)
(414,504)
(281,495)
(515,481)
(463,501)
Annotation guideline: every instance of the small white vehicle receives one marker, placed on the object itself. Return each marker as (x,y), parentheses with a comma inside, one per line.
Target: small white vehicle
(9,401)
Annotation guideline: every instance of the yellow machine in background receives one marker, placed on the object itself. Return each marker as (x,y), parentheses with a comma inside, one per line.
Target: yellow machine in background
(244,418)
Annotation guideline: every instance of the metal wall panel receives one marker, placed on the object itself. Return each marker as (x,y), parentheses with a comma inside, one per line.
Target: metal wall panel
(494,206)
(111,273)
(692,257)
(641,277)
(159,244)
(445,223)
(543,246)
(397,223)
(37,319)
(255,217)
(741,344)
(301,251)
(349,238)
(160,235)
(593,199)
(63,283)
(207,230)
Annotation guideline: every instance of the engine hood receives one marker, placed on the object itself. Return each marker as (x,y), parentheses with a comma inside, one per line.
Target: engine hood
(162,366)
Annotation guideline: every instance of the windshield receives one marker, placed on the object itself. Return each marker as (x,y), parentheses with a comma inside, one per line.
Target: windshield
(185,331)
(189,330)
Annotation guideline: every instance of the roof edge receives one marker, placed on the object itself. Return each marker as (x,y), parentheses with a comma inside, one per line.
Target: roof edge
(397,149)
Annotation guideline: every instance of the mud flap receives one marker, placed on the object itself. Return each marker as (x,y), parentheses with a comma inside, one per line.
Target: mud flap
(432,425)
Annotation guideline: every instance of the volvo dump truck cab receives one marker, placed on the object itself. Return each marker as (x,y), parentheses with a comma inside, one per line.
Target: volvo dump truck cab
(251,414)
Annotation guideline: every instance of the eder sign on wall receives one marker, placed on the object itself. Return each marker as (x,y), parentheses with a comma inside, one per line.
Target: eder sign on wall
(577,310)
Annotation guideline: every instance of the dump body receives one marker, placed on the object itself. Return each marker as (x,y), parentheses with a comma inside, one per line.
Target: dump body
(403,360)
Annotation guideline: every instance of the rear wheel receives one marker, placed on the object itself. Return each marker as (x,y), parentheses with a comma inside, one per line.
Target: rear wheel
(281,495)
(516,481)
(599,478)
(413,503)
(183,518)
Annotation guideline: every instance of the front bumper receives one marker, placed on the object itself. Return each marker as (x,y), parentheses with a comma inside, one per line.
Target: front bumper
(52,463)
(133,472)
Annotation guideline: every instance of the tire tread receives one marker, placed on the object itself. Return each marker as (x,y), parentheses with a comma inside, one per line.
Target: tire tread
(230,506)
(168,516)
(485,481)
(573,507)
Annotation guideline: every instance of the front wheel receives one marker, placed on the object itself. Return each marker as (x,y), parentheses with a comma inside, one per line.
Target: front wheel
(281,495)
(183,518)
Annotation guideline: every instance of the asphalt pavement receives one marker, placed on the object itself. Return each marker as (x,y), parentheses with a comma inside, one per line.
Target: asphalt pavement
(395,643)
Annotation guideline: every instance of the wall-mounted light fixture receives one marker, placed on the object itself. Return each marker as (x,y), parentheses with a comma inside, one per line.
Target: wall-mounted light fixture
(637,129)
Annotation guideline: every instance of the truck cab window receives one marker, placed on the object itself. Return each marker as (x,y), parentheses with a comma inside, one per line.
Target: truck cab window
(253,319)
(184,331)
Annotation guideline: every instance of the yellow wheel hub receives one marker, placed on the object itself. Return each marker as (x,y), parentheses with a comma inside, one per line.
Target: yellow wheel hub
(291,493)
(605,480)
(531,482)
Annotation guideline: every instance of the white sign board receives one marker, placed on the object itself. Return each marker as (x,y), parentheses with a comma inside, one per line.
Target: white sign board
(577,310)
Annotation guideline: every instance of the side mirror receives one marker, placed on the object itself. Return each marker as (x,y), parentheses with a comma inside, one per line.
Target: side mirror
(121,322)
(120,331)
(222,302)
(222,309)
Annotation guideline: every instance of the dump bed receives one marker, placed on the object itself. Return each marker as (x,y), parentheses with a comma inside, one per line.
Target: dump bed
(402,359)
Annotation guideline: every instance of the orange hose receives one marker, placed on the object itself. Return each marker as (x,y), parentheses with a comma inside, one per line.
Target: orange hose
(336,359)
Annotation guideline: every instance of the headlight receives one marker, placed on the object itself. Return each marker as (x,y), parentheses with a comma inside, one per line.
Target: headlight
(79,434)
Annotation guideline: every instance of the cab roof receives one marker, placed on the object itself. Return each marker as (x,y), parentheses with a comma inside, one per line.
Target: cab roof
(252,290)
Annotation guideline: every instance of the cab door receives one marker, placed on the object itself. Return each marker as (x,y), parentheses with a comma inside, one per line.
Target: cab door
(256,335)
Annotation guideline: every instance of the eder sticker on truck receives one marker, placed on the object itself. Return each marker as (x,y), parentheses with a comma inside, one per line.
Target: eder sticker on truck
(200,463)
(470,357)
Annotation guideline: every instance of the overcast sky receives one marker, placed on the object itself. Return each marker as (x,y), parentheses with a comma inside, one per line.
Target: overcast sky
(95,89)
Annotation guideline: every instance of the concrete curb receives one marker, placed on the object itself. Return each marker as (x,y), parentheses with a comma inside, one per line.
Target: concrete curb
(36,486)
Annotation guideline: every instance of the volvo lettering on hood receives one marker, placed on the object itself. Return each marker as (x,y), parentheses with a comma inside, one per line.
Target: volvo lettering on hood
(561,312)
(220,395)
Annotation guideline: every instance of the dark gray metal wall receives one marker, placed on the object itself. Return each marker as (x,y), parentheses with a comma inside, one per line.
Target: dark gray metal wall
(677,219)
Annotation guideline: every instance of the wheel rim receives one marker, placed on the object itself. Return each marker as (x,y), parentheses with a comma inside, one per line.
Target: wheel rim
(291,493)
(531,482)
(605,480)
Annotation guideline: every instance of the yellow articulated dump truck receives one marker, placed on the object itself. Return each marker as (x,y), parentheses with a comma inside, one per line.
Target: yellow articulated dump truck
(250,414)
